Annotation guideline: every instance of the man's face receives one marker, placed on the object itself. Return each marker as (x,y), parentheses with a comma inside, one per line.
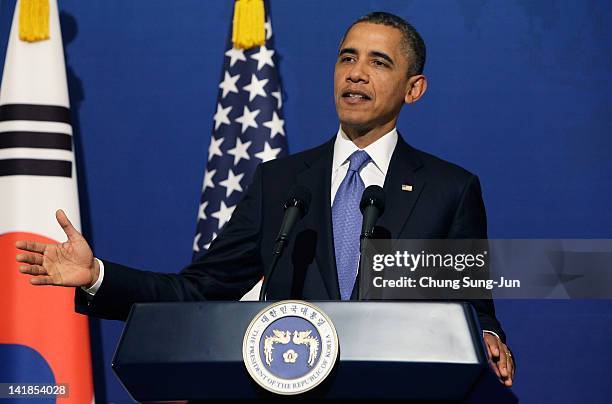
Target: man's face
(371,77)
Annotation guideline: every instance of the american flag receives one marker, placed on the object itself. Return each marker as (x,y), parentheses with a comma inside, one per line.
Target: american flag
(248,129)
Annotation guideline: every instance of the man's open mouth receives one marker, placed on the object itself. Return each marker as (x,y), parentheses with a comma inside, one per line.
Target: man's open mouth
(356,95)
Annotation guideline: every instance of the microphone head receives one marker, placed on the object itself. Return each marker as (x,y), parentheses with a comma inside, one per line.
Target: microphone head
(300,197)
(373,196)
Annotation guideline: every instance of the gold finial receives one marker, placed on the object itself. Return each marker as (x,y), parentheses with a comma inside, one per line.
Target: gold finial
(34,20)
(248,28)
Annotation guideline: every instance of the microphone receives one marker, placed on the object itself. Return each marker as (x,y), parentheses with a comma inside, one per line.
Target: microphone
(296,208)
(372,206)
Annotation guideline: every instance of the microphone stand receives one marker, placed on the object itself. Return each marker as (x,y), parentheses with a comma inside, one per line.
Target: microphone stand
(278,250)
(362,238)
(294,209)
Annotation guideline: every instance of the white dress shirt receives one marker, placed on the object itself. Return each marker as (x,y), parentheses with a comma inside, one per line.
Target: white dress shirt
(94,288)
(374,172)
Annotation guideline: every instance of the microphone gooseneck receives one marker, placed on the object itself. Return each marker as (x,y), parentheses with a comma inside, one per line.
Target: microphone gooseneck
(296,208)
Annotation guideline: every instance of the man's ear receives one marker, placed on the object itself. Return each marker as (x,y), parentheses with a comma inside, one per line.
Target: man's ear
(416,87)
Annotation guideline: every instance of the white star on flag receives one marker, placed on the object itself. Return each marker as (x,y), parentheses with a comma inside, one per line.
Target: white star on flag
(224,214)
(263,57)
(240,151)
(208,182)
(221,116)
(228,85)
(268,28)
(235,54)
(256,87)
(232,183)
(201,211)
(248,119)
(214,149)
(214,236)
(267,153)
(276,125)
(279,99)
(196,240)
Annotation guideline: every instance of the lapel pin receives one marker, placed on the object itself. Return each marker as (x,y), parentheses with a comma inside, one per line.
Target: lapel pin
(407,188)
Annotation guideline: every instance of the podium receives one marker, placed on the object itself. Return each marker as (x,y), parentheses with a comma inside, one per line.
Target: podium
(387,350)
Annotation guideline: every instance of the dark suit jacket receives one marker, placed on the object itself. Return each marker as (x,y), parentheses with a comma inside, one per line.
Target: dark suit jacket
(446,202)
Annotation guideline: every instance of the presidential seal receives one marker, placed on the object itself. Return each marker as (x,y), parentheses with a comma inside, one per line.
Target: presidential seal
(290,347)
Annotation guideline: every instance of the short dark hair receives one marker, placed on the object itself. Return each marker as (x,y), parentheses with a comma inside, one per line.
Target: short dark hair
(412,41)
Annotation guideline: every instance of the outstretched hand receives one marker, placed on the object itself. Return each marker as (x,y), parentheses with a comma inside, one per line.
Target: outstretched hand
(500,359)
(65,264)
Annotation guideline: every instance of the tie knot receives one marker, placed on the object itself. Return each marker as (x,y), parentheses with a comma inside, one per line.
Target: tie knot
(358,159)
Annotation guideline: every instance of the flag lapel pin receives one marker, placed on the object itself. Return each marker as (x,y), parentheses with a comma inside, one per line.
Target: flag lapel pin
(407,187)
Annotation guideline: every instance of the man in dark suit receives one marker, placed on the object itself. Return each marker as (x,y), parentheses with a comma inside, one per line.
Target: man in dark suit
(379,69)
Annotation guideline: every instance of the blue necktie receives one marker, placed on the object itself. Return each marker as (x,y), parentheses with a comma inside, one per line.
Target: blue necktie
(347,223)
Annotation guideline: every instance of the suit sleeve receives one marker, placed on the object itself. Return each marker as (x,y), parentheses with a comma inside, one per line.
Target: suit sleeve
(229,269)
(470,222)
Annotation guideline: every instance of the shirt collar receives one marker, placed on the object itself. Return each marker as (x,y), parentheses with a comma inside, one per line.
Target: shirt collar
(380,151)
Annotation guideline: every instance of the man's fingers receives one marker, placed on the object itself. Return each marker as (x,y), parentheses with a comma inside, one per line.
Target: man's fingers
(32,270)
(29,258)
(68,228)
(508,380)
(41,280)
(492,363)
(503,361)
(495,369)
(492,348)
(488,349)
(500,360)
(31,246)
(510,362)
(40,275)
(495,349)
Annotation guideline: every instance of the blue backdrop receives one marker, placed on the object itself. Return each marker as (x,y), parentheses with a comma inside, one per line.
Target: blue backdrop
(519,92)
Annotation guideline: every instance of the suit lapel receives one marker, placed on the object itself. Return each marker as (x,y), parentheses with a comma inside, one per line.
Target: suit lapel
(402,189)
(317,178)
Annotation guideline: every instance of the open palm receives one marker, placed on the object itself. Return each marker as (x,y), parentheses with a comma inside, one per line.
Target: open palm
(65,264)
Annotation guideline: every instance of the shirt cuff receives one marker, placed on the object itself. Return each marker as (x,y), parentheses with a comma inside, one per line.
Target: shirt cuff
(94,288)
(490,332)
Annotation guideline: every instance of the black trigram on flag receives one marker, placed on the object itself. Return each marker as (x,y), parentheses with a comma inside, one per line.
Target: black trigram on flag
(34,140)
